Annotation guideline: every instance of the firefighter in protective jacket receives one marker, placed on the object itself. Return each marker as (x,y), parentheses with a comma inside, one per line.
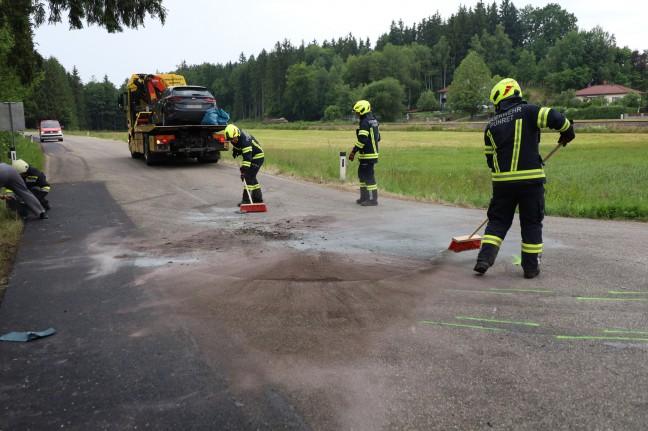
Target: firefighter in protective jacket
(17,195)
(245,145)
(35,180)
(368,136)
(512,138)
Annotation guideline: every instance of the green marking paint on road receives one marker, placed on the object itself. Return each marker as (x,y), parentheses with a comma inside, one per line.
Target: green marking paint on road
(521,290)
(592,337)
(588,298)
(480,319)
(627,293)
(618,331)
(478,291)
(486,328)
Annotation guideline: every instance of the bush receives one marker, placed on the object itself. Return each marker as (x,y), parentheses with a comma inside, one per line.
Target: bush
(597,112)
(332,113)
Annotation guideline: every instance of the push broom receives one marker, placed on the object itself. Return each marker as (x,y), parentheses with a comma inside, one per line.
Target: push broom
(473,241)
(252,207)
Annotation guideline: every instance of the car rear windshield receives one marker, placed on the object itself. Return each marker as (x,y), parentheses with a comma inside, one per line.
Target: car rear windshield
(50,124)
(191,92)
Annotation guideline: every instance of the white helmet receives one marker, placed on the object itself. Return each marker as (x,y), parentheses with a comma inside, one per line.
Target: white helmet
(20,165)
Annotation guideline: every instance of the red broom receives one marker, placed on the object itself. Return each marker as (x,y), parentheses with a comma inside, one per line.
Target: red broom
(252,207)
(467,242)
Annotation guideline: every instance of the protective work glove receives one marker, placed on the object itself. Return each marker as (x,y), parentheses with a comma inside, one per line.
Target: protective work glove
(242,175)
(235,153)
(568,135)
(352,155)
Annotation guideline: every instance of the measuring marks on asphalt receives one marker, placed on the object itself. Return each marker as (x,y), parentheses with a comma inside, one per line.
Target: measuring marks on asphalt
(487,324)
(610,334)
(617,296)
(500,291)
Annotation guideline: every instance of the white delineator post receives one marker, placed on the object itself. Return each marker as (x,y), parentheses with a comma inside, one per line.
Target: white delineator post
(342,165)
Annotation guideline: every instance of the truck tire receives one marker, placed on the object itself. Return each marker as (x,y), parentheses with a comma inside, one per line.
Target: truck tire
(212,157)
(150,159)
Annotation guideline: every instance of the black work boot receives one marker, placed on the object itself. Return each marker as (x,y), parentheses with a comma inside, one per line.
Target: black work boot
(245,199)
(364,195)
(481,266)
(531,264)
(373,199)
(486,258)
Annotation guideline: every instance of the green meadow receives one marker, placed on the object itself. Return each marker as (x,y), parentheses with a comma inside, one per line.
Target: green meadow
(598,175)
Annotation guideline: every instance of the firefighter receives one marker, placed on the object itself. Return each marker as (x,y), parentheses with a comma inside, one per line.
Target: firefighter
(17,195)
(245,145)
(35,181)
(367,140)
(512,138)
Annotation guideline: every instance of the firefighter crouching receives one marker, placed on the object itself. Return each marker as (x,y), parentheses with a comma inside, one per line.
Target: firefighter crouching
(35,180)
(512,139)
(17,195)
(368,136)
(245,145)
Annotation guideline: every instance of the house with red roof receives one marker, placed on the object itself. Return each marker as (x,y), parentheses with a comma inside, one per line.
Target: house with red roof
(611,92)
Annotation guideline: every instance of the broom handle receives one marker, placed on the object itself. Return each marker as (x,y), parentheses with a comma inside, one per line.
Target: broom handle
(551,153)
(247,190)
(543,161)
(478,227)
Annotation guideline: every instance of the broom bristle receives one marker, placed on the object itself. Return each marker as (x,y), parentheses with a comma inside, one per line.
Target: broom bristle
(458,247)
(253,208)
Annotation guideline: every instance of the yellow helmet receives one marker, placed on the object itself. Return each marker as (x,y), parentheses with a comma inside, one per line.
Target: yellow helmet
(362,107)
(20,165)
(231,132)
(507,87)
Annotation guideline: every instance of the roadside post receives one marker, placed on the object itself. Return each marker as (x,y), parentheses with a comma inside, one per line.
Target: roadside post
(342,165)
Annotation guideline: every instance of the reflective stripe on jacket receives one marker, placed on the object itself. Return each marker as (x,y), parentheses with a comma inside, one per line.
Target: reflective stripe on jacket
(512,139)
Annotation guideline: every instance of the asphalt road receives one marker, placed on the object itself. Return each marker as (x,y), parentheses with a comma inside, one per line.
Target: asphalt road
(172,311)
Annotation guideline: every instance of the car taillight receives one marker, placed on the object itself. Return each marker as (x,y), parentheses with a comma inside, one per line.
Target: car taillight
(164,139)
(175,99)
(209,99)
(219,138)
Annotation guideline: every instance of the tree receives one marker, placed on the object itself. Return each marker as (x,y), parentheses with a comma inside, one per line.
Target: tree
(428,101)
(53,98)
(526,68)
(543,27)
(498,50)
(77,89)
(101,100)
(441,54)
(301,92)
(386,97)
(19,16)
(12,87)
(470,87)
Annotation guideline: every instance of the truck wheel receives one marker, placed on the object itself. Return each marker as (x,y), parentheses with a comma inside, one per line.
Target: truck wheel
(149,158)
(209,158)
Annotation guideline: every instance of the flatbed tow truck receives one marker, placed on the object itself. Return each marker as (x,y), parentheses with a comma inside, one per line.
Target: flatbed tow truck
(157,144)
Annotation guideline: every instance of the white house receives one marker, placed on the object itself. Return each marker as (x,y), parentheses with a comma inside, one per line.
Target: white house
(611,92)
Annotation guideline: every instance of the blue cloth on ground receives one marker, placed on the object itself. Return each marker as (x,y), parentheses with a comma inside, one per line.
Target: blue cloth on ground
(26,336)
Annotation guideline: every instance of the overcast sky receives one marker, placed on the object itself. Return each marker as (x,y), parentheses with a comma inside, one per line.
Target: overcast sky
(213,31)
